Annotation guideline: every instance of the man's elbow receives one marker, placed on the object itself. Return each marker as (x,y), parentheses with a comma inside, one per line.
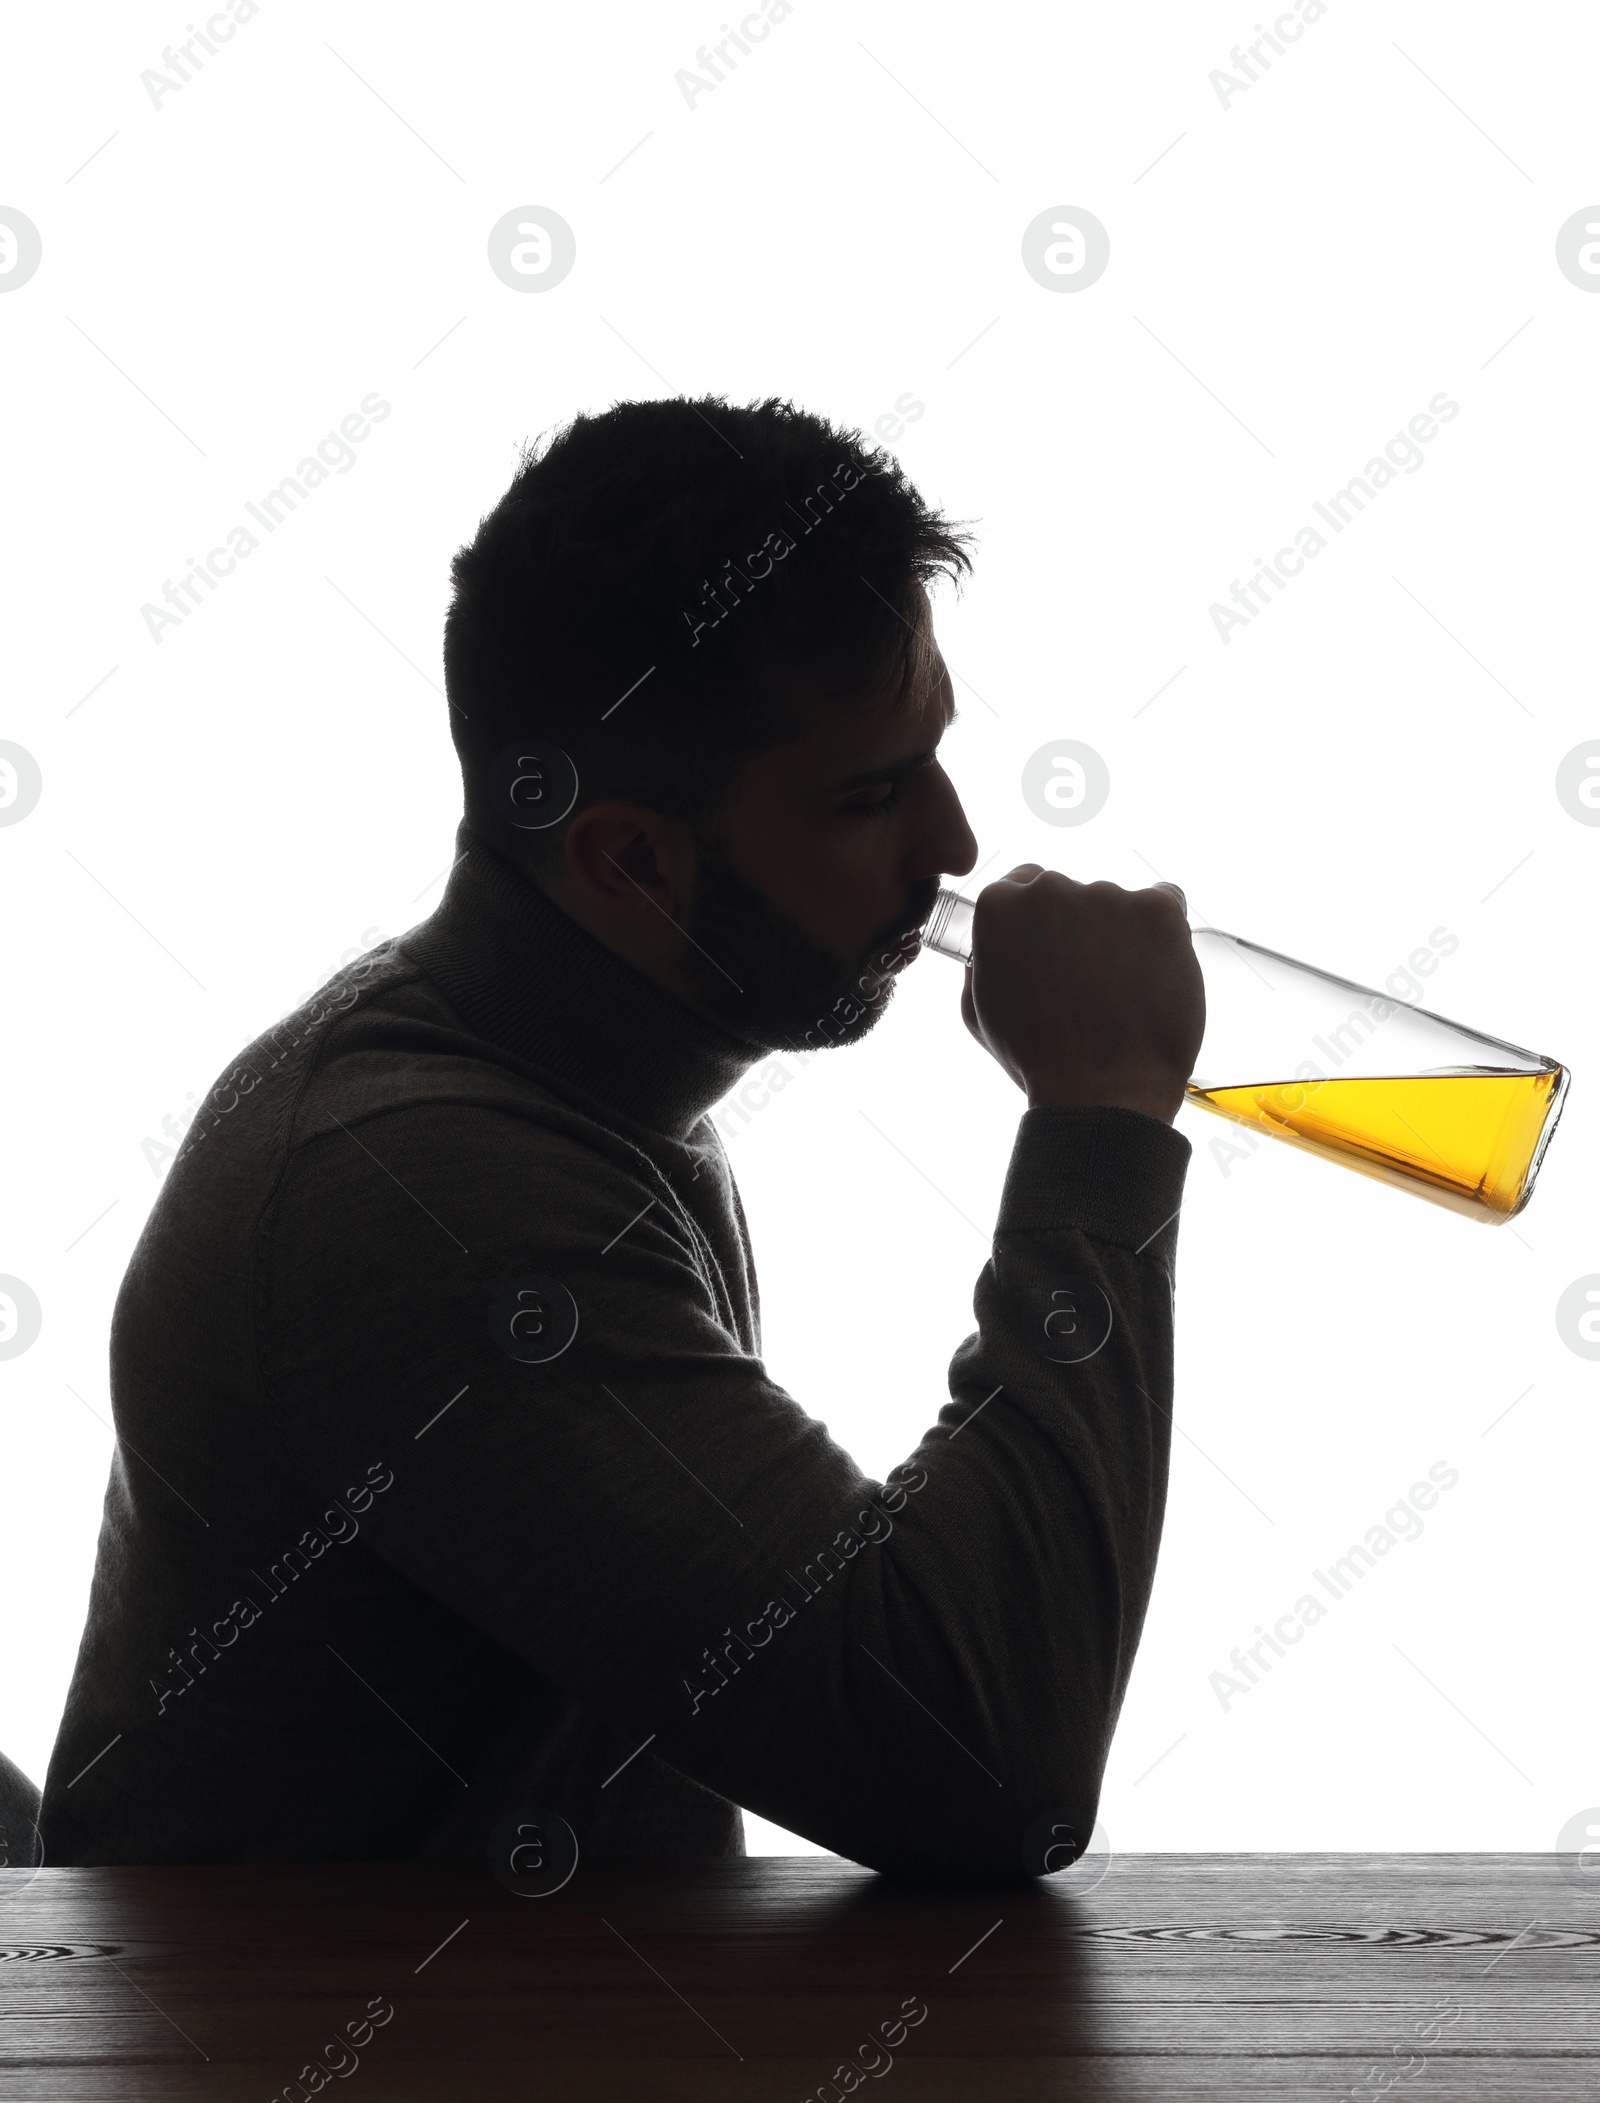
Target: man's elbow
(991,1830)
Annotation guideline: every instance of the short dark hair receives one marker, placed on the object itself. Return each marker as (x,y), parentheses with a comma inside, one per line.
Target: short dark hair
(677,552)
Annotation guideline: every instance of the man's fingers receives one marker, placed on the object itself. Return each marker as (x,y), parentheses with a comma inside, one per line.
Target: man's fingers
(1025,873)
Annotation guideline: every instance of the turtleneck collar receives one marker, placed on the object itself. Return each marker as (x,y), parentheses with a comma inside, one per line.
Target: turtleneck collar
(521,973)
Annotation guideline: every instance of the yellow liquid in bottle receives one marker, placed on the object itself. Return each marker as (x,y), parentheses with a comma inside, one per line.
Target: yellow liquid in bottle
(1466,1140)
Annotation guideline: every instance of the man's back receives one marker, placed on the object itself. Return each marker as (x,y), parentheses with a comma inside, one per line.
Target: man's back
(454,1482)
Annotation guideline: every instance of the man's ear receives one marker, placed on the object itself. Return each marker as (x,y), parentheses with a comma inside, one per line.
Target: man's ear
(634,863)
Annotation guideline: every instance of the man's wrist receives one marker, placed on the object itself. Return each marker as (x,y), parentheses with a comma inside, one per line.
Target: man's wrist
(1150,1103)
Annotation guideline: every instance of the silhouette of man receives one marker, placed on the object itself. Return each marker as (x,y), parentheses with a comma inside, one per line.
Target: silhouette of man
(453,1498)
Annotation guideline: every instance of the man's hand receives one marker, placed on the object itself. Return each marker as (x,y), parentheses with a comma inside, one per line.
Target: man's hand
(1085,993)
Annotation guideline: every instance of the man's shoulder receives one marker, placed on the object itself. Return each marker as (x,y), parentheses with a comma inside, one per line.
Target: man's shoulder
(428,1169)
(395,1051)
(380,1045)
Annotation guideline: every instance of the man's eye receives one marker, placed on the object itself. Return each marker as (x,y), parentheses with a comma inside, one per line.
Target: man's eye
(879,809)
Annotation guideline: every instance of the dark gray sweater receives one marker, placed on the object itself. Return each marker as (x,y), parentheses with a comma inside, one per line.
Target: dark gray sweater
(449,1474)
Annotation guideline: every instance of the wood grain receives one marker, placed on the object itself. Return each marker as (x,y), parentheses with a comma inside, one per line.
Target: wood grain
(1174,1977)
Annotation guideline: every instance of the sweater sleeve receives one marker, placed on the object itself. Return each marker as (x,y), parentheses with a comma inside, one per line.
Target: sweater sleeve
(922,1674)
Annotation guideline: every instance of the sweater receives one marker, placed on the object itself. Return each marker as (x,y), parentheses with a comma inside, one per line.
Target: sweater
(451,1488)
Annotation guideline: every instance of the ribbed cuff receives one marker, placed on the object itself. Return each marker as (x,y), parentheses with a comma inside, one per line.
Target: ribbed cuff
(1113,1172)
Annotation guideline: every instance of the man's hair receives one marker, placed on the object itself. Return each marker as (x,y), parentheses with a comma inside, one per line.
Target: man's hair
(631,594)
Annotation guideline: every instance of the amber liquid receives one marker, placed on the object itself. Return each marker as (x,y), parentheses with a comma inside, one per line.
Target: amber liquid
(1467,1139)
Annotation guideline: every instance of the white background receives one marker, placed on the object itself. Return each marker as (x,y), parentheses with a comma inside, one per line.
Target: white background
(228,811)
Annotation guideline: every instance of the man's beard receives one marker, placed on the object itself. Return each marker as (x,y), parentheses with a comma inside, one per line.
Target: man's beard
(766,980)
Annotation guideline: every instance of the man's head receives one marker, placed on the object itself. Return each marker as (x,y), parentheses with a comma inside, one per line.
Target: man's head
(719,616)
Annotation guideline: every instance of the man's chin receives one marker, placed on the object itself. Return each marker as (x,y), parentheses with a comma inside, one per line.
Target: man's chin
(855,1011)
(842,1015)
(773,986)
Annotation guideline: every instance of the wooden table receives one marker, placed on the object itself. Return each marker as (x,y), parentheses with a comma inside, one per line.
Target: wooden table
(1175,1976)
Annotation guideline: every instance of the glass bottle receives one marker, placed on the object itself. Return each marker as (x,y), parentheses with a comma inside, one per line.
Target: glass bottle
(1359,1077)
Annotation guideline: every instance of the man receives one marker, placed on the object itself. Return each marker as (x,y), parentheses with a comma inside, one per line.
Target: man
(451,1489)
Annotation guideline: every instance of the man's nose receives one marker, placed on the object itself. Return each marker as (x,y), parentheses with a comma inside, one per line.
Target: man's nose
(952,844)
